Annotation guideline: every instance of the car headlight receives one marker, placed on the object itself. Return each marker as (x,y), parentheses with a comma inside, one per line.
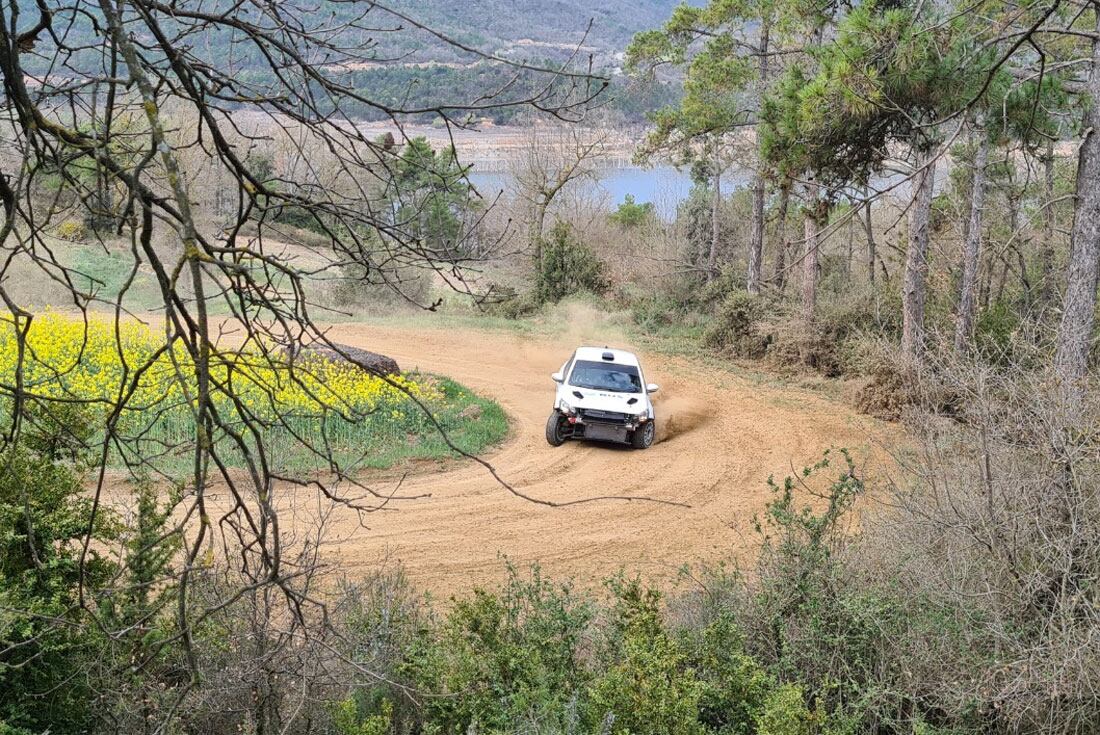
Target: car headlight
(565,407)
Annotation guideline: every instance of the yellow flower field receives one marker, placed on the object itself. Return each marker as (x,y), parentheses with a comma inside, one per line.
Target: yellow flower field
(335,407)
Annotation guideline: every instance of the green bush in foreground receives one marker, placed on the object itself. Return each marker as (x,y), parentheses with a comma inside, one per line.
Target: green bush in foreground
(504,658)
(648,687)
(537,657)
(43,647)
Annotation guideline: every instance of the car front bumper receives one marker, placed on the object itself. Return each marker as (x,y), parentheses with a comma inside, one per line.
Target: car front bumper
(606,433)
(606,426)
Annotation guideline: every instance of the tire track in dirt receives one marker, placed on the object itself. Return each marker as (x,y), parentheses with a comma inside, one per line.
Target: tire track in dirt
(722,436)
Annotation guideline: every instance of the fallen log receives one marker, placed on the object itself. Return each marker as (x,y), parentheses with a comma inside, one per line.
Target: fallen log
(370,361)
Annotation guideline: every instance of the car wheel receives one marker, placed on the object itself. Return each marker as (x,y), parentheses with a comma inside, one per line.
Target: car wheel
(555,429)
(644,437)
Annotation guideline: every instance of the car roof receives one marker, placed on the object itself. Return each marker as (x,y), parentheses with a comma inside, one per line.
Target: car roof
(595,354)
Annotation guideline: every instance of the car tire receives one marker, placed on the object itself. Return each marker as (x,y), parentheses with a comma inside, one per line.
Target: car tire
(643,437)
(555,429)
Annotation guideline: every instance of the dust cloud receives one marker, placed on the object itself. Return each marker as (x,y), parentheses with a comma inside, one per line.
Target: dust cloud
(678,415)
(582,323)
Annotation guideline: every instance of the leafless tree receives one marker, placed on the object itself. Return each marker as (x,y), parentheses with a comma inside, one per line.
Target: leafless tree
(138,93)
(554,157)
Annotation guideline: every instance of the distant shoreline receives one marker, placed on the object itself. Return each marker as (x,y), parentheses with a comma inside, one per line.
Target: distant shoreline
(494,148)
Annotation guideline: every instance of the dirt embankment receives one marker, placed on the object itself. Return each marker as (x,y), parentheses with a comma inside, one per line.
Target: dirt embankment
(721,436)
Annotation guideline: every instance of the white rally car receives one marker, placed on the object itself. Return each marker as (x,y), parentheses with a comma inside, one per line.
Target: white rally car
(602,395)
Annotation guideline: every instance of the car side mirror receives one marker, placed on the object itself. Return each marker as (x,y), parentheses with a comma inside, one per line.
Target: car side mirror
(557,377)
(652,388)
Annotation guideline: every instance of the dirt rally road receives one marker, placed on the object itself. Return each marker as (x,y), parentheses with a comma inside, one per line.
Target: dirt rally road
(720,437)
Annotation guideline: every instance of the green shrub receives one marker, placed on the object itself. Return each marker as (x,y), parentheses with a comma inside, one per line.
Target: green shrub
(509,303)
(831,345)
(631,215)
(567,266)
(47,652)
(654,310)
(852,316)
(735,686)
(785,713)
(806,629)
(735,330)
(821,625)
(347,720)
(648,689)
(502,659)
(58,431)
(668,316)
(712,294)
(300,217)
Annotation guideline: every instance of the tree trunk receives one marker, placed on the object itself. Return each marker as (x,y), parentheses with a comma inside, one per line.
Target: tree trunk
(756,242)
(1046,251)
(1013,201)
(870,232)
(1025,281)
(987,279)
(1071,358)
(972,249)
(784,245)
(538,227)
(851,244)
(916,259)
(812,220)
(1003,279)
(102,217)
(715,224)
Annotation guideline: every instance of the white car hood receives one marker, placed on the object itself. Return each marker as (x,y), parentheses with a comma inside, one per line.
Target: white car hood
(605,400)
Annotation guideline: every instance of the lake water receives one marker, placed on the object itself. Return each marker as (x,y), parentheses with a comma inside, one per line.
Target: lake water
(664,186)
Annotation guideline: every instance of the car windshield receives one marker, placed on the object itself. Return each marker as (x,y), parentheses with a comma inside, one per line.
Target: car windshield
(605,376)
